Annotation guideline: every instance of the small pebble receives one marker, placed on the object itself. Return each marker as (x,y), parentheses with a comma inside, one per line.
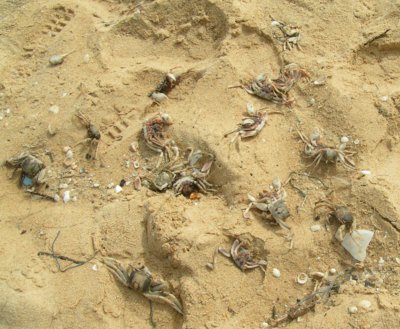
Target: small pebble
(332,271)
(118,189)
(276,273)
(365,172)
(54,109)
(353,309)
(384,98)
(133,147)
(344,139)
(158,97)
(69,155)
(264,325)
(95,268)
(66,196)
(365,304)
(315,228)
(96,185)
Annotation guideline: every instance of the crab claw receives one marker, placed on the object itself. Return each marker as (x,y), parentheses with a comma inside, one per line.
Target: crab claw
(164,298)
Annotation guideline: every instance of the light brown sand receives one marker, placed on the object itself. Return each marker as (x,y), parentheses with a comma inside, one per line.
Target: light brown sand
(223,42)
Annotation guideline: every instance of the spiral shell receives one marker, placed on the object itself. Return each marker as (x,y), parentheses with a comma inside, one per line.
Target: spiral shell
(302,278)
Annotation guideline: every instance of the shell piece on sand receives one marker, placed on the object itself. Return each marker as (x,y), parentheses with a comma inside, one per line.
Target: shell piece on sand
(357,243)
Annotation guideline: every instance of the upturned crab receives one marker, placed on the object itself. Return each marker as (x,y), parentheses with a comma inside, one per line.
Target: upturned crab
(272,203)
(30,166)
(93,134)
(242,257)
(341,214)
(164,87)
(141,279)
(330,154)
(192,178)
(157,139)
(277,90)
(290,34)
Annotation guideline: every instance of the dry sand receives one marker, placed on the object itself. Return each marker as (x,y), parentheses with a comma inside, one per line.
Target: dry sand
(222,43)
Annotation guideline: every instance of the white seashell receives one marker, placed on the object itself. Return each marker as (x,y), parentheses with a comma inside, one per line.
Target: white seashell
(384,98)
(275,23)
(96,185)
(118,189)
(58,59)
(54,109)
(133,147)
(250,109)
(357,243)
(276,273)
(353,309)
(66,196)
(344,140)
(136,164)
(315,228)
(356,142)
(365,172)
(302,278)
(69,155)
(95,268)
(317,275)
(264,325)
(365,304)
(332,271)
(159,97)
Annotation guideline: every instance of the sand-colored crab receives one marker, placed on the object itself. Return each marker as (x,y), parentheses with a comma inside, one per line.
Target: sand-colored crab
(242,257)
(290,36)
(271,202)
(330,154)
(93,134)
(30,166)
(141,279)
(277,90)
(157,138)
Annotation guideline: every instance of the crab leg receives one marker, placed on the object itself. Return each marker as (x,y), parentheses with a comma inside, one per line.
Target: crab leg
(164,298)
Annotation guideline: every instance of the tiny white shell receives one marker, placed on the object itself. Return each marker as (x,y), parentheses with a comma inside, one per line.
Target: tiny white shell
(315,228)
(95,268)
(318,275)
(250,109)
(136,164)
(353,309)
(54,109)
(384,98)
(118,189)
(276,273)
(69,154)
(344,139)
(302,278)
(66,196)
(365,172)
(332,271)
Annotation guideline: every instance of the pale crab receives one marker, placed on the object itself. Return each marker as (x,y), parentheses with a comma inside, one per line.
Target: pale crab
(277,90)
(30,166)
(318,151)
(290,34)
(341,214)
(166,85)
(141,279)
(157,139)
(193,177)
(93,134)
(251,125)
(242,257)
(271,203)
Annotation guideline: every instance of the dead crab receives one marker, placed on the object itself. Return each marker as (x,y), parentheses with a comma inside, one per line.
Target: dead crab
(140,279)
(242,257)
(271,203)
(30,166)
(290,34)
(318,151)
(166,85)
(251,125)
(93,136)
(341,214)
(157,139)
(193,178)
(277,90)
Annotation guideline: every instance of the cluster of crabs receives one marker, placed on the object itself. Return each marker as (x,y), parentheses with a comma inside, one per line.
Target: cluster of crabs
(186,172)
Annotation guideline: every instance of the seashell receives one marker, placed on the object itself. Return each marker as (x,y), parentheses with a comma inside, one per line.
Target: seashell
(66,196)
(133,147)
(136,164)
(315,228)
(158,97)
(365,172)
(344,140)
(118,189)
(276,273)
(353,309)
(58,59)
(250,109)
(332,271)
(69,154)
(302,278)
(317,275)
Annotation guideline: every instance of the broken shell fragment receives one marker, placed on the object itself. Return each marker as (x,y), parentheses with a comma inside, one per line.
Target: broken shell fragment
(302,278)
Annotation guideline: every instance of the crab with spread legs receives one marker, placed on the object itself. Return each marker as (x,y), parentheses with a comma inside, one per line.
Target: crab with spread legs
(93,136)
(341,214)
(193,177)
(242,257)
(157,139)
(318,151)
(141,279)
(271,203)
(290,34)
(277,90)
(30,166)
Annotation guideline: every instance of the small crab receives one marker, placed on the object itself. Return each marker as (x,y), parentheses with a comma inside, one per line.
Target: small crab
(242,257)
(30,166)
(93,136)
(271,202)
(156,138)
(140,279)
(341,214)
(193,178)
(277,90)
(251,125)
(166,85)
(318,151)
(290,35)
